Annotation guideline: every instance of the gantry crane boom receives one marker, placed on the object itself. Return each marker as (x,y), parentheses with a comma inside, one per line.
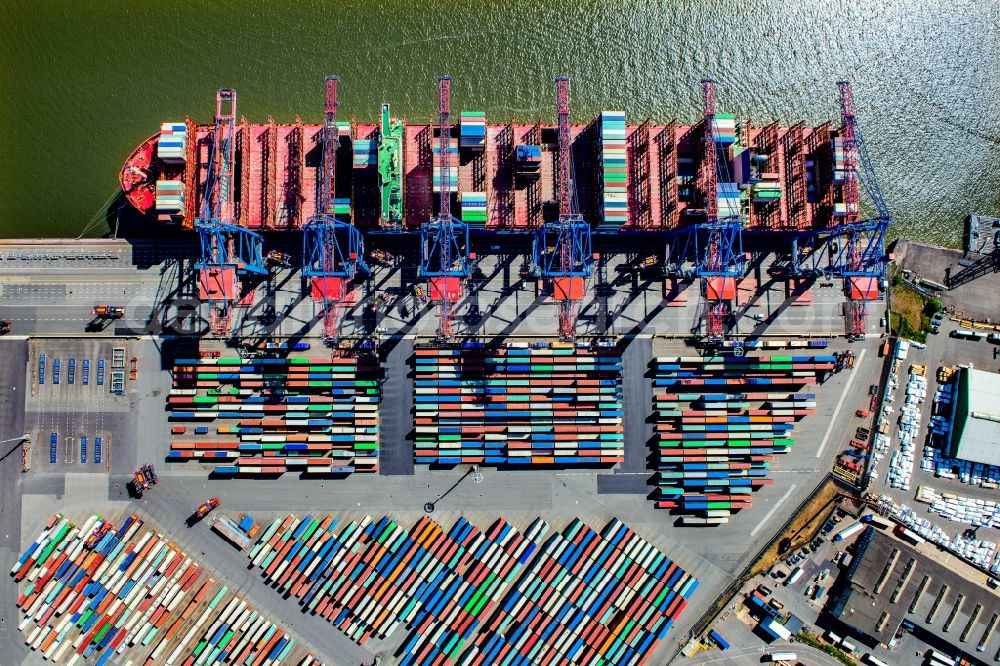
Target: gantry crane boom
(562,248)
(865,264)
(444,241)
(332,249)
(227,250)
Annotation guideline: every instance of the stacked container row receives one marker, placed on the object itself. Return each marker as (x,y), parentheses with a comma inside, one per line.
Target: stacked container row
(614,169)
(371,576)
(100,591)
(271,415)
(473,130)
(719,423)
(365,153)
(518,406)
(169,198)
(474,208)
(172,145)
(450,182)
(588,598)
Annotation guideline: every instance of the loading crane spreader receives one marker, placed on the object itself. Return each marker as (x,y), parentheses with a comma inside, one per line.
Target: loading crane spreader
(332,250)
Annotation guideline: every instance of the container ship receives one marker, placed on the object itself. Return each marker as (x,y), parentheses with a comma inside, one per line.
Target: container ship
(629,176)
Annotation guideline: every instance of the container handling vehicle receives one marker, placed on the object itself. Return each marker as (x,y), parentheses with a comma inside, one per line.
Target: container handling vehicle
(145,478)
(108,311)
(206,507)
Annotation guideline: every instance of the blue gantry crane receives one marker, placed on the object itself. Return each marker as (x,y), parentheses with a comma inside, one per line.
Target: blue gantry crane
(562,248)
(853,249)
(445,260)
(332,249)
(711,250)
(228,251)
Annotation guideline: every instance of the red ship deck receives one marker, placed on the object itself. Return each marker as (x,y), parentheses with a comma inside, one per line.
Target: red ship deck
(277,166)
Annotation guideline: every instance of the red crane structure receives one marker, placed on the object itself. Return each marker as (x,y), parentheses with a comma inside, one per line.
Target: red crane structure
(227,250)
(563,248)
(856,307)
(444,240)
(332,249)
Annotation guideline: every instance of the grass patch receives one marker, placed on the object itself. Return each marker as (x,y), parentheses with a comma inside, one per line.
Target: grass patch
(812,639)
(800,530)
(912,312)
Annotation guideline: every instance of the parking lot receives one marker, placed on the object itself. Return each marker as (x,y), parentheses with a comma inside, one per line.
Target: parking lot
(70,396)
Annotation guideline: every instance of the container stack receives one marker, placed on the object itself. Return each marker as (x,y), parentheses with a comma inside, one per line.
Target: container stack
(172,146)
(473,130)
(588,598)
(450,182)
(368,577)
(766,191)
(528,161)
(342,208)
(610,595)
(169,200)
(518,407)
(474,208)
(729,199)
(365,153)
(97,591)
(724,128)
(839,162)
(614,169)
(272,415)
(717,438)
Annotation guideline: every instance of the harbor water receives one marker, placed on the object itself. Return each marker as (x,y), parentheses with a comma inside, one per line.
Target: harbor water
(85,82)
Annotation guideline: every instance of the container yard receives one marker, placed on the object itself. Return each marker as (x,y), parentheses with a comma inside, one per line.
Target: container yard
(558,406)
(99,592)
(267,416)
(577,595)
(715,448)
(516,342)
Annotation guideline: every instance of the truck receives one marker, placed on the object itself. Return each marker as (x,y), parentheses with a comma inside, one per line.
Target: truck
(848,531)
(718,639)
(782,656)
(144,478)
(206,507)
(108,311)
(231,531)
(794,576)
(775,630)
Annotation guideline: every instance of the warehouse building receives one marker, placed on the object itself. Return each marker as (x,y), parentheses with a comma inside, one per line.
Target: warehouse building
(975,417)
(890,582)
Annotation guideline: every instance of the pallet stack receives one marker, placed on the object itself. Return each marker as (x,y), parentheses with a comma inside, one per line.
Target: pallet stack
(100,591)
(518,407)
(588,598)
(719,423)
(272,415)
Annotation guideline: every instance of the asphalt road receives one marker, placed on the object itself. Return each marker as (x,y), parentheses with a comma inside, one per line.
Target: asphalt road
(159,294)
(13,360)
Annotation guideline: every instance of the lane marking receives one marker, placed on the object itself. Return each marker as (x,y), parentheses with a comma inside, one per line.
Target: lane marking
(840,403)
(774,508)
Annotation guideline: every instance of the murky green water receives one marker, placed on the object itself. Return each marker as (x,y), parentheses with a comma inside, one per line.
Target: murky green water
(82,83)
